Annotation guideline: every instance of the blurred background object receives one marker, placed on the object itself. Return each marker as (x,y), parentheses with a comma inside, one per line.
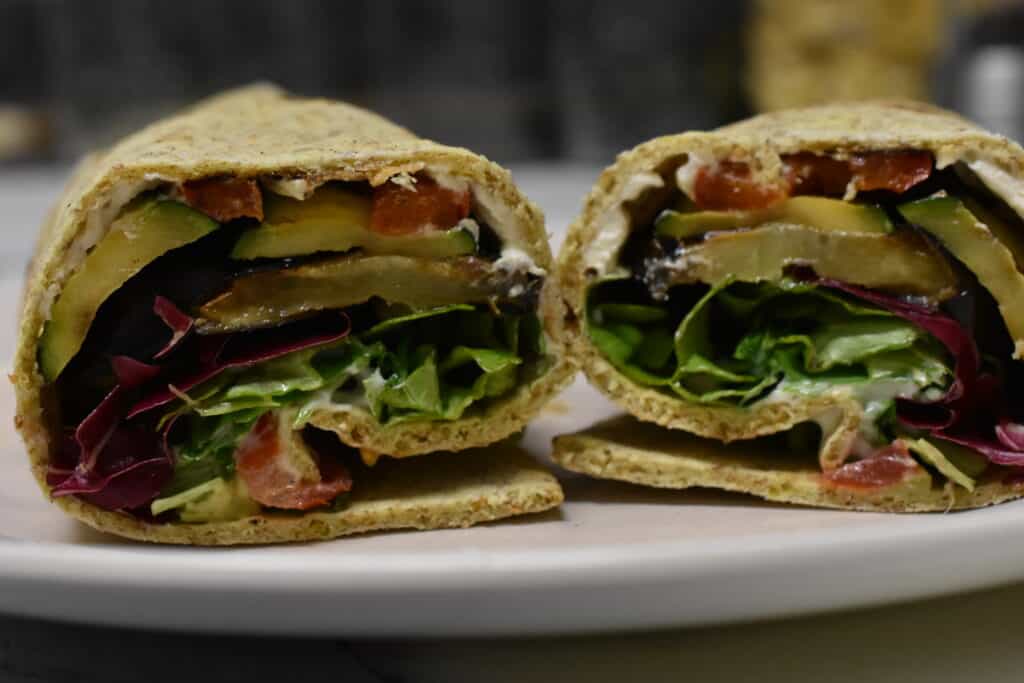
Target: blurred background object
(803,53)
(24,133)
(985,63)
(528,80)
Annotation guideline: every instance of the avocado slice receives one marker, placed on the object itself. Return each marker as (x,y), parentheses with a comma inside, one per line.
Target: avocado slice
(817,212)
(217,500)
(901,262)
(337,219)
(956,463)
(272,297)
(983,247)
(145,230)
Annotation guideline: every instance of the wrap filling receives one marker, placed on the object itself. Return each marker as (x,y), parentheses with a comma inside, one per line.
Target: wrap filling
(873,284)
(192,354)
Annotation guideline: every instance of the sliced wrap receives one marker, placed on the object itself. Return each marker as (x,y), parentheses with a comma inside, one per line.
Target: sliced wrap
(847,277)
(232,314)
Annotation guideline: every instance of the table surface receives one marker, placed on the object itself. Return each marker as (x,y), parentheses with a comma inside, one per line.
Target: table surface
(967,637)
(964,638)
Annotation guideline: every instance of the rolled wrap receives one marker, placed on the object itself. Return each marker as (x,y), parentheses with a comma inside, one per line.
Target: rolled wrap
(293,147)
(758,165)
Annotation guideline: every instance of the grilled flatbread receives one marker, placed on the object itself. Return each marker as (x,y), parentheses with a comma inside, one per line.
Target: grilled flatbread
(848,276)
(233,313)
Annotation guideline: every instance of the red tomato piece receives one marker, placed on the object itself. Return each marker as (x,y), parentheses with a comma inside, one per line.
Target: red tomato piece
(225,199)
(398,210)
(887,466)
(729,185)
(812,174)
(262,463)
(893,171)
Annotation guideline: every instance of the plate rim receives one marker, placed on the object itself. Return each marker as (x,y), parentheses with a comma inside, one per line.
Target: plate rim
(757,567)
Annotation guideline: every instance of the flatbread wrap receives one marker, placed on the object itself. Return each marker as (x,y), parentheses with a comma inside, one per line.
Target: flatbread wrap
(234,313)
(846,277)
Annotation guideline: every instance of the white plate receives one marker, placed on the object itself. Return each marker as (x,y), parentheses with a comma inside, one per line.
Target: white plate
(615,557)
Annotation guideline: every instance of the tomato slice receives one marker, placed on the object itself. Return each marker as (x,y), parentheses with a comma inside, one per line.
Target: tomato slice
(811,174)
(261,460)
(399,210)
(887,466)
(894,171)
(225,199)
(728,185)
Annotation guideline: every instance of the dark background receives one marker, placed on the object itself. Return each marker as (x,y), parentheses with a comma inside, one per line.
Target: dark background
(527,79)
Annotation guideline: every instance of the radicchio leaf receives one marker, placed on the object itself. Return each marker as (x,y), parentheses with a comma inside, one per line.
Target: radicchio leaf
(131,373)
(119,480)
(116,463)
(970,413)
(1011,435)
(221,352)
(180,323)
(987,447)
(95,430)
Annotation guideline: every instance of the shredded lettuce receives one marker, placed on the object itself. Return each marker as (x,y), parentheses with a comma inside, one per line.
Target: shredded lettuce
(426,365)
(739,341)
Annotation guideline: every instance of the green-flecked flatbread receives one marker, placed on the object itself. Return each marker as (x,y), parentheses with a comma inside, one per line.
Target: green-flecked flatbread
(628,195)
(626,449)
(263,133)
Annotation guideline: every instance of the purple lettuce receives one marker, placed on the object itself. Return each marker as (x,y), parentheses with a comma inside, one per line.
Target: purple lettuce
(179,322)
(218,353)
(974,410)
(115,458)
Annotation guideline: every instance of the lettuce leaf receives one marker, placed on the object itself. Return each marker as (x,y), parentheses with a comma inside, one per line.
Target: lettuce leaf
(738,341)
(426,365)
(397,321)
(432,390)
(208,450)
(417,389)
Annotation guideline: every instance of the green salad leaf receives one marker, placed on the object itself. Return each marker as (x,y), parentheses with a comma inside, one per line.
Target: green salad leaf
(424,365)
(738,341)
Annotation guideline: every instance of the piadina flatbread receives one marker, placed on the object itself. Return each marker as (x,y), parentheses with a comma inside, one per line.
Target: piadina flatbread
(845,279)
(234,314)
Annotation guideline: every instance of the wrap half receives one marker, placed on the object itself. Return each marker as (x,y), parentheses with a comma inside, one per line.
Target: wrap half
(847,277)
(232,314)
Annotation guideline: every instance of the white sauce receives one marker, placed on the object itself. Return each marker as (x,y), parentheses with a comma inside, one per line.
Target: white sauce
(828,421)
(332,400)
(1007,187)
(686,175)
(470,226)
(515,260)
(405,180)
(851,190)
(613,227)
(874,397)
(296,188)
(448,181)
